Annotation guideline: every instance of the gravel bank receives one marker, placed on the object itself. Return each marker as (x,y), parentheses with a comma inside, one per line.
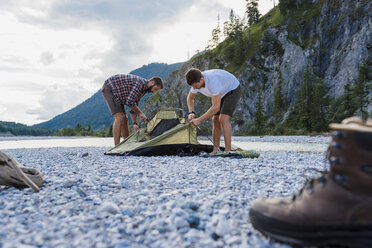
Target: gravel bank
(92,200)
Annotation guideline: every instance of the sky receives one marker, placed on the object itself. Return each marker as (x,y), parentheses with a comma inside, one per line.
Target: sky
(54,54)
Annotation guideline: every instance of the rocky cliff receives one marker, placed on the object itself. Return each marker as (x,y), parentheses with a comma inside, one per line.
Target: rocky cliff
(333,37)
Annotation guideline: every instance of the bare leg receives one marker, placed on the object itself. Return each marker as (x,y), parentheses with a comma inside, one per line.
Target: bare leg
(227,131)
(124,127)
(216,133)
(116,128)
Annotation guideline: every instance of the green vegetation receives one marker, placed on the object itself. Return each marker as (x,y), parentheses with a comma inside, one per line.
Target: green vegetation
(355,99)
(314,109)
(79,130)
(259,116)
(21,129)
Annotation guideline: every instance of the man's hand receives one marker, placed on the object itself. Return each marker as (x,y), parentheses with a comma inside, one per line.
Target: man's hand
(191,116)
(196,122)
(143,116)
(135,128)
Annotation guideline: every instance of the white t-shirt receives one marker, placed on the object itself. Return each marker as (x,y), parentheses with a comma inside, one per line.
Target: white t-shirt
(217,81)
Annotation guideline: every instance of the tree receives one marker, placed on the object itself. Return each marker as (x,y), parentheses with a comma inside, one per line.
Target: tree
(319,106)
(285,5)
(216,35)
(233,26)
(259,115)
(79,127)
(252,11)
(360,91)
(278,98)
(305,99)
(313,102)
(347,101)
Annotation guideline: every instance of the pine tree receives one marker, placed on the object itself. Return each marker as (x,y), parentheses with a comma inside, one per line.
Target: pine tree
(347,101)
(228,25)
(278,98)
(216,35)
(259,115)
(314,102)
(305,99)
(252,11)
(320,105)
(360,90)
(285,5)
(233,26)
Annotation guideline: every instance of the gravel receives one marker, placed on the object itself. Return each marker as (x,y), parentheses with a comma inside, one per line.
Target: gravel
(89,199)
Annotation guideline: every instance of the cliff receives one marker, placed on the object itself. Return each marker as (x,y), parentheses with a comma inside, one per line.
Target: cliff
(333,37)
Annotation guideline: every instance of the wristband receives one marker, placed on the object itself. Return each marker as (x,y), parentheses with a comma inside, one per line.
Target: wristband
(192,112)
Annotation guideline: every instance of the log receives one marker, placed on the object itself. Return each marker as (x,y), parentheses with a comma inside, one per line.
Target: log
(12,173)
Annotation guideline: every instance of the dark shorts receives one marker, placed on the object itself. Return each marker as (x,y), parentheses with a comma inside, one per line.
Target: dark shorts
(113,106)
(229,102)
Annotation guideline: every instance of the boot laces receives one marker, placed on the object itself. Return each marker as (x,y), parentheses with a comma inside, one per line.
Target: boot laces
(311,180)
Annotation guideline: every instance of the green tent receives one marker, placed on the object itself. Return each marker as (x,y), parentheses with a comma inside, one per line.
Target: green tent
(167,133)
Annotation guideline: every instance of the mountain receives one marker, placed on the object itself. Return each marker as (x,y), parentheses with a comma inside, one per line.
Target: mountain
(324,44)
(94,111)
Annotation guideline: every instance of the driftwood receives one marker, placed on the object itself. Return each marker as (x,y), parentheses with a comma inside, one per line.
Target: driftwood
(16,175)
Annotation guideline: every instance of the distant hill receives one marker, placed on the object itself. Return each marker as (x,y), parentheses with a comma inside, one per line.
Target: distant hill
(13,128)
(94,111)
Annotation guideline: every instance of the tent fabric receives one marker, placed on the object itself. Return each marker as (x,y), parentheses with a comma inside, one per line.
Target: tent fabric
(167,133)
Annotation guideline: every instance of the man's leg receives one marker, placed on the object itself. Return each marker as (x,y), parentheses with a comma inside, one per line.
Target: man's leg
(125,127)
(227,131)
(216,133)
(116,128)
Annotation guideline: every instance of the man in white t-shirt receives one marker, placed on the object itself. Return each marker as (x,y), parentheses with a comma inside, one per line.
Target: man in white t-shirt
(224,89)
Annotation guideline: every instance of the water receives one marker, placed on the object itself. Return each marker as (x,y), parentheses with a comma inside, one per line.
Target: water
(46,142)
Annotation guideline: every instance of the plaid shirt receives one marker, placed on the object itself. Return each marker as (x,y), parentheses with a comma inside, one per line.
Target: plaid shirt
(127,89)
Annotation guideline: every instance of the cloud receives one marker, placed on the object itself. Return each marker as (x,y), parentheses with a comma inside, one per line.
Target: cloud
(57,99)
(76,45)
(128,24)
(47,58)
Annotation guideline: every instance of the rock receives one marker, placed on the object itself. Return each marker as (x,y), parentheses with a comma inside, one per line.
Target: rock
(223,226)
(109,207)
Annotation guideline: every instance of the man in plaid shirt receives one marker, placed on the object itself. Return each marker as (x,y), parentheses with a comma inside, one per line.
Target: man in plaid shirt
(120,90)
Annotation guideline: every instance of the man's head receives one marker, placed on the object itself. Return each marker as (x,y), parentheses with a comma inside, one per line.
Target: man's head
(195,78)
(155,84)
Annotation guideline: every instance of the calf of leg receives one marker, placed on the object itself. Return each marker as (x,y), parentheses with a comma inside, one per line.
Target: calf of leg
(227,131)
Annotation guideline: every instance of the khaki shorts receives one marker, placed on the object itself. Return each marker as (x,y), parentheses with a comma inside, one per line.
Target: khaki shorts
(229,102)
(113,106)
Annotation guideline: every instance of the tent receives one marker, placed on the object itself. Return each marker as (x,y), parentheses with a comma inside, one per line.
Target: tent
(167,133)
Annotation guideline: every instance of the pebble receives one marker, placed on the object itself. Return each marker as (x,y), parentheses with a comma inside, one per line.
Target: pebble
(109,207)
(170,201)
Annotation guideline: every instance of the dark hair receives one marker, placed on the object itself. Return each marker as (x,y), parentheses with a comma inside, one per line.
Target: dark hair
(158,81)
(193,75)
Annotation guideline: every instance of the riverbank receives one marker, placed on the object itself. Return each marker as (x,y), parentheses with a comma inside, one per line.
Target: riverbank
(92,200)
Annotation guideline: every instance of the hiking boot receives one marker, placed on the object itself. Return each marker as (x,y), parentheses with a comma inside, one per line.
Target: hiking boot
(335,209)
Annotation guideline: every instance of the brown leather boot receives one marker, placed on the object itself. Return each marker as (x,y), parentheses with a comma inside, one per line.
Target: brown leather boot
(335,209)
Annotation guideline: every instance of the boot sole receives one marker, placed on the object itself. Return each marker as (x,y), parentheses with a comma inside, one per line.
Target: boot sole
(359,236)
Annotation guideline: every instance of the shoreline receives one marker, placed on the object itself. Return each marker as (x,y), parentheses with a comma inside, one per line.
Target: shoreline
(265,143)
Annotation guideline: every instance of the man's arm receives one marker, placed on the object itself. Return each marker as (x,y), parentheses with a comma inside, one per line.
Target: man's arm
(190,105)
(133,97)
(133,115)
(136,111)
(216,102)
